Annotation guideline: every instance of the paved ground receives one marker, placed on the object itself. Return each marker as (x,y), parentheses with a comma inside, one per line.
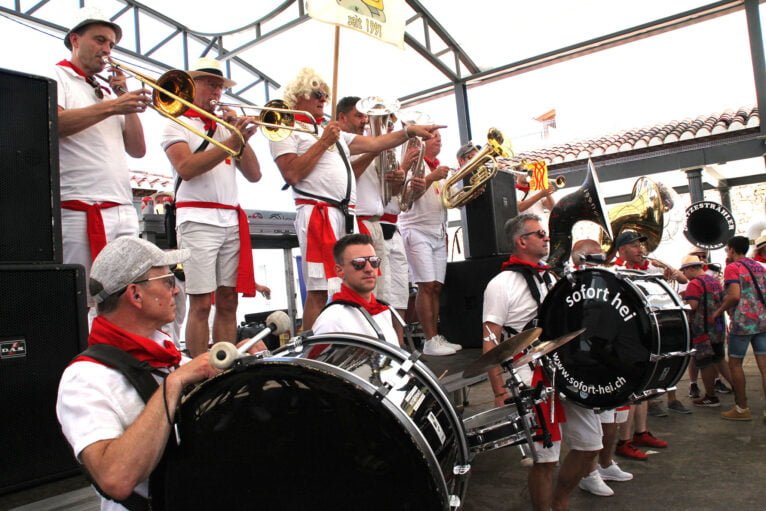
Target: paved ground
(711,464)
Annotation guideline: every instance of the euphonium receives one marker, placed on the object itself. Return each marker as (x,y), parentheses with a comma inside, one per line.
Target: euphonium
(481,168)
(643,213)
(416,169)
(381,115)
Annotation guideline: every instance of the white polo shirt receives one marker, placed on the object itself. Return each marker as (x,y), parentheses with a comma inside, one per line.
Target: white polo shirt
(92,162)
(219,184)
(427,213)
(508,302)
(368,199)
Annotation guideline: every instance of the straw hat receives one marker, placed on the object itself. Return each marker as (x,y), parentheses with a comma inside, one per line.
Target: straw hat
(205,66)
(691,260)
(88,16)
(761,241)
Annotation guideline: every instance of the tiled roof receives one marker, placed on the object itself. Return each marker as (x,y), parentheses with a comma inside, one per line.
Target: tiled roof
(146,183)
(727,122)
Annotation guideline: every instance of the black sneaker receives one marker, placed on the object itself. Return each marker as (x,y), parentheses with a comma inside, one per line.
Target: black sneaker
(720,387)
(694,391)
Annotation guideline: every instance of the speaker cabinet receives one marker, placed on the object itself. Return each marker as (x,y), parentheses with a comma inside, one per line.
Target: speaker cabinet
(462,299)
(43,325)
(30,215)
(485,217)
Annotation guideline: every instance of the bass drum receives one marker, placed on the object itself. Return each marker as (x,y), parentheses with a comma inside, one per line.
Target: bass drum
(636,343)
(330,422)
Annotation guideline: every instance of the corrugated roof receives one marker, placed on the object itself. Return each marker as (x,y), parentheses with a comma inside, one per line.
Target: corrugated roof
(672,132)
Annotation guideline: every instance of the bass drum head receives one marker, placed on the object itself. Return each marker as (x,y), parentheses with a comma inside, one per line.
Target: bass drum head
(279,434)
(602,367)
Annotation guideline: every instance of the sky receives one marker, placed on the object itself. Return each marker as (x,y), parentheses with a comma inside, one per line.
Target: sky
(693,71)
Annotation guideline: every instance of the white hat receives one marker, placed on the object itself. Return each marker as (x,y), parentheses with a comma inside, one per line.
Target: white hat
(125,259)
(761,241)
(691,260)
(87,16)
(205,66)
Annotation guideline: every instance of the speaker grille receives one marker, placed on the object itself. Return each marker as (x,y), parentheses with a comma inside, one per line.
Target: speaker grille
(43,325)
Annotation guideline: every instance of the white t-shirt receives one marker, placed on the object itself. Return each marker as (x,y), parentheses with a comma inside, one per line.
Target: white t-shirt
(329,178)
(92,162)
(508,302)
(427,213)
(97,403)
(348,319)
(219,184)
(368,199)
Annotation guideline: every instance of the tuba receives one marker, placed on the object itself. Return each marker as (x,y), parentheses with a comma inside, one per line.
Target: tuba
(709,225)
(585,203)
(381,116)
(479,170)
(643,213)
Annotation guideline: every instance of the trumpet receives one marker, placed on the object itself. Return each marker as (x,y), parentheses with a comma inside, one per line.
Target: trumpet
(531,175)
(173,95)
(276,119)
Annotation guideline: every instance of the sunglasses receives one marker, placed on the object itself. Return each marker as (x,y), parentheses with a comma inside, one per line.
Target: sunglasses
(318,94)
(541,233)
(96,87)
(169,278)
(359,263)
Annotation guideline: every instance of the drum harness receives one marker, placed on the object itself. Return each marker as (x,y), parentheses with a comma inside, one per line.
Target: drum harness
(139,374)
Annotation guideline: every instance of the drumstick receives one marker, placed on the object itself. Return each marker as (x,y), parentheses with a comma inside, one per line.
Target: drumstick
(443,374)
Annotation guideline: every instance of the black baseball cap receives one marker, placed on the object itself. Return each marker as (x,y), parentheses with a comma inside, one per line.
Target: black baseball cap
(628,236)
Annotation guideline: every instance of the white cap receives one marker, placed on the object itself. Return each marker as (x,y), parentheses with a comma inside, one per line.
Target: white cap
(124,260)
(206,66)
(87,16)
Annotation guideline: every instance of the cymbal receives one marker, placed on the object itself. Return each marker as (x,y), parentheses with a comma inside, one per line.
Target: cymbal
(546,347)
(502,352)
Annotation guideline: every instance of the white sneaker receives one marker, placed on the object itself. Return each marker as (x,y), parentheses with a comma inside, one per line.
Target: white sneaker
(448,344)
(433,346)
(614,473)
(595,485)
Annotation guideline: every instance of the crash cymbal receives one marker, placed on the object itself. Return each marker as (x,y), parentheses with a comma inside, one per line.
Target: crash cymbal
(546,347)
(506,350)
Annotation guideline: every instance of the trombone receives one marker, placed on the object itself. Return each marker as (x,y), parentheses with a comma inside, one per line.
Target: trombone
(173,95)
(276,119)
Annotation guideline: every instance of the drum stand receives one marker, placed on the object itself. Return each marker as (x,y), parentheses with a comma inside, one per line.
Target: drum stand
(526,400)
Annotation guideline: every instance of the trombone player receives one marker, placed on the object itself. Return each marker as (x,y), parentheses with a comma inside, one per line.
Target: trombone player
(210,221)
(97,124)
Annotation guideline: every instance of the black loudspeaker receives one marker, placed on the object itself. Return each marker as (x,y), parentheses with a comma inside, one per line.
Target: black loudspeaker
(43,325)
(462,299)
(30,214)
(485,217)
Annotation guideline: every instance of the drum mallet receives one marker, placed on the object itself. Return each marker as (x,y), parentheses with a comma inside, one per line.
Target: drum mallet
(223,354)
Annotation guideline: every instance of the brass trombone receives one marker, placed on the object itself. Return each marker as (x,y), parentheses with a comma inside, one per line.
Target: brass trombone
(173,95)
(276,119)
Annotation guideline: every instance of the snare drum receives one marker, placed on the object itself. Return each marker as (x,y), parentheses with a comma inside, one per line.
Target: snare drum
(637,339)
(330,422)
(496,428)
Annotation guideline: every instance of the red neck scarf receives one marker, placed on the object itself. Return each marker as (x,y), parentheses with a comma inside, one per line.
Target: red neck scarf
(140,348)
(643,266)
(210,124)
(90,79)
(759,258)
(431,163)
(349,295)
(304,118)
(522,188)
(513,261)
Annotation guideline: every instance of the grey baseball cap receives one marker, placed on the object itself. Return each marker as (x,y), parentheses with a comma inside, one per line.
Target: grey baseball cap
(124,260)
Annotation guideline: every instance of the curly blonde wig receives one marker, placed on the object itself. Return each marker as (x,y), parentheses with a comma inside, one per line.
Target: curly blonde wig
(303,85)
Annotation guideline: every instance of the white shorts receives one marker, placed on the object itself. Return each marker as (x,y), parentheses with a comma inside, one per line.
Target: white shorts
(314,277)
(615,416)
(397,278)
(427,255)
(582,429)
(214,256)
(118,221)
(381,250)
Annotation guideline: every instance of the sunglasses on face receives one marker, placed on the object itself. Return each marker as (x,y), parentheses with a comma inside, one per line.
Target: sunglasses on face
(541,233)
(359,263)
(169,280)
(318,94)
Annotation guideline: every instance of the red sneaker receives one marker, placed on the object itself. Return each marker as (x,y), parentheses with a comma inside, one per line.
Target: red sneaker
(628,450)
(646,439)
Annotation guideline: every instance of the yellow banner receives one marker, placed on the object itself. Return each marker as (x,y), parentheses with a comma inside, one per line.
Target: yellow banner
(382,19)
(539,179)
